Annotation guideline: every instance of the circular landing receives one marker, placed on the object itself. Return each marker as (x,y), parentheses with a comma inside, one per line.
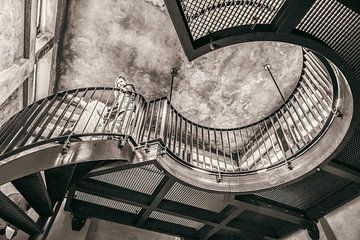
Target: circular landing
(230,87)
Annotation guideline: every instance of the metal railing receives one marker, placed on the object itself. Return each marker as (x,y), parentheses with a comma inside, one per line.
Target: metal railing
(103,113)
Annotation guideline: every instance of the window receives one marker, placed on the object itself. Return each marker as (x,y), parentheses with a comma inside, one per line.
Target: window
(38,16)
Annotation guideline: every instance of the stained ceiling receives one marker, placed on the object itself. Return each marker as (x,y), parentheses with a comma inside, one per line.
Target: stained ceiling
(225,88)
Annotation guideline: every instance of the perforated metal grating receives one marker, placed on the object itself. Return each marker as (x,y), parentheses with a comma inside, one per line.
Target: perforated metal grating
(107,202)
(351,152)
(260,220)
(307,192)
(176,220)
(196,198)
(143,179)
(206,16)
(337,26)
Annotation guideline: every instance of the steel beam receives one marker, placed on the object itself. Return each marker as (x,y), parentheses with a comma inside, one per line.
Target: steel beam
(341,170)
(13,215)
(334,201)
(158,195)
(233,213)
(33,189)
(291,14)
(271,209)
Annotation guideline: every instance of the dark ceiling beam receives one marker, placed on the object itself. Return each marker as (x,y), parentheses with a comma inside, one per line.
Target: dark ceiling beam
(290,15)
(13,215)
(85,209)
(271,209)
(144,201)
(180,24)
(157,197)
(342,170)
(33,189)
(233,213)
(335,200)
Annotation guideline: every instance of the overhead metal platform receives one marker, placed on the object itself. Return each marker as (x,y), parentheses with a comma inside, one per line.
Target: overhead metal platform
(141,163)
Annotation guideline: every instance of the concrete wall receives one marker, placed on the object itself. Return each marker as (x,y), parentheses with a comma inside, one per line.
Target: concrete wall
(104,39)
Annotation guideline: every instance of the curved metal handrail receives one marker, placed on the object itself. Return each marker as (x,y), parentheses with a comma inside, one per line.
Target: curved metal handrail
(103,113)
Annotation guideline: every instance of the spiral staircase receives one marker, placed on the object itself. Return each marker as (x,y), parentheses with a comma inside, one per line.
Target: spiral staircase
(113,155)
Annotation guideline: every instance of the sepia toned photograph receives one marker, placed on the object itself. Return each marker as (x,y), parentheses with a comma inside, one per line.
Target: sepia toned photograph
(179,119)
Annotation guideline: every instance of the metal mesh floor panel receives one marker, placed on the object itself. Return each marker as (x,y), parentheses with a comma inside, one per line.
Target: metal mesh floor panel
(336,25)
(107,202)
(143,179)
(307,192)
(261,220)
(176,220)
(351,153)
(206,16)
(196,198)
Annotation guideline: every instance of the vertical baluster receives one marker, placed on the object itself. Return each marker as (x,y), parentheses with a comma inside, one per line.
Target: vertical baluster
(144,122)
(136,118)
(82,111)
(256,139)
(120,111)
(171,126)
(180,138)
(103,111)
(185,155)
(294,123)
(244,150)
(223,150)
(248,136)
(216,150)
(209,142)
(130,118)
(237,148)
(264,142)
(301,120)
(12,139)
(290,130)
(197,145)
(191,143)
(280,142)
(49,118)
(233,163)
(60,118)
(153,103)
(300,107)
(39,120)
(271,141)
(157,120)
(203,146)
(175,131)
(92,113)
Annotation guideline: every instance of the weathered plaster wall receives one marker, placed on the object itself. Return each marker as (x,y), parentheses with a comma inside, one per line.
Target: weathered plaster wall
(12,67)
(12,32)
(226,88)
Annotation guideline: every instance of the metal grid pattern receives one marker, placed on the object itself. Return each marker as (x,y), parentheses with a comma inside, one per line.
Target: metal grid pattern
(337,26)
(260,220)
(196,198)
(351,153)
(305,193)
(143,179)
(107,202)
(206,16)
(176,220)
